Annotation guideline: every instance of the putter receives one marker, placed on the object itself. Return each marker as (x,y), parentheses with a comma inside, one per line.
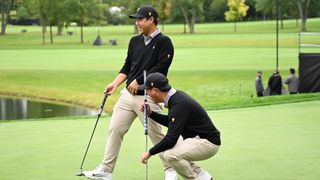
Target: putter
(94,129)
(145,117)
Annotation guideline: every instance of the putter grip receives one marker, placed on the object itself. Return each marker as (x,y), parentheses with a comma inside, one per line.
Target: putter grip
(145,118)
(102,104)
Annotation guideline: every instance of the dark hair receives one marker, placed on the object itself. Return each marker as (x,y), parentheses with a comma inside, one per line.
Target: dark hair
(292,71)
(154,20)
(163,89)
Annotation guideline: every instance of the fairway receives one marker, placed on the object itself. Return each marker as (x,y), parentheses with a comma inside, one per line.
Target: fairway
(215,65)
(269,142)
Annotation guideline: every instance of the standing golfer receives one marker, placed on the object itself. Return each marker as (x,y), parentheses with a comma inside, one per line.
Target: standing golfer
(151,51)
(186,117)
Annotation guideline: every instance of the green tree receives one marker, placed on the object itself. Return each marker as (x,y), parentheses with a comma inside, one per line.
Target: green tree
(56,16)
(207,9)
(84,12)
(265,6)
(164,10)
(39,9)
(303,7)
(5,7)
(192,10)
(237,10)
(217,9)
(287,9)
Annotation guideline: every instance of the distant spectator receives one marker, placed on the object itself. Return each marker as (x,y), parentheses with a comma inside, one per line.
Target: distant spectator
(259,84)
(275,83)
(292,81)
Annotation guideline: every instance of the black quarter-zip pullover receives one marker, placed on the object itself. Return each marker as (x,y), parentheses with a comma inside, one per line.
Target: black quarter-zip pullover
(186,117)
(154,57)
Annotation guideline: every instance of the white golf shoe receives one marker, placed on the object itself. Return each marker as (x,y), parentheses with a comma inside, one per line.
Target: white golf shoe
(170,174)
(98,173)
(204,175)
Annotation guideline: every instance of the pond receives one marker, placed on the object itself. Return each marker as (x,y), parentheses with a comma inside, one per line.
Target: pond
(14,108)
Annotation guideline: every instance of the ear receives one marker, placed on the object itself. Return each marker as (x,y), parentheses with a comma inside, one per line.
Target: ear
(151,19)
(156,90)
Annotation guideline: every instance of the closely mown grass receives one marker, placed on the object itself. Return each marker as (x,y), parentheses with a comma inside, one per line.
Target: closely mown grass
(270,142)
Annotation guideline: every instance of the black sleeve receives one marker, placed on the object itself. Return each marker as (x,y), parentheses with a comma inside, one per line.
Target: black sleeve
(165,56)
(159,118)
(177,119)
(127,64)
(270,82)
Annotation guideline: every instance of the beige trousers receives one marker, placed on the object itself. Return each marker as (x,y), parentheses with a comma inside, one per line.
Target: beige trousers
(180,157)
(124,113)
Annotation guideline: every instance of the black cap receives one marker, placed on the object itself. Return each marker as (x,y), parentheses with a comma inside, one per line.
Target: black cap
(156,80)
(145,11)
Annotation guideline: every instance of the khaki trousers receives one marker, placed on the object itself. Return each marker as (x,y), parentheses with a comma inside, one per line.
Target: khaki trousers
(180,157)
(124,113)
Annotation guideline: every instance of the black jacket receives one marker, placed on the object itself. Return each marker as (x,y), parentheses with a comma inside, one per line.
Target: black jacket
(154,57)
(187,118)
(275,84)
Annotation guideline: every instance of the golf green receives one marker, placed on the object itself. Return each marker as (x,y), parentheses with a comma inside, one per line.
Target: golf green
(269,142)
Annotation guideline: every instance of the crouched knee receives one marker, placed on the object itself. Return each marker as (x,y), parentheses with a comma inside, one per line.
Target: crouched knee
(170,156)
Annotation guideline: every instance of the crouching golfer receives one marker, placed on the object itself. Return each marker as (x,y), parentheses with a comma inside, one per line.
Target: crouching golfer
(186,117)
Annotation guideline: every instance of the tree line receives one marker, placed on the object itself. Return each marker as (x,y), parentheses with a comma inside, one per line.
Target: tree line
(62,13)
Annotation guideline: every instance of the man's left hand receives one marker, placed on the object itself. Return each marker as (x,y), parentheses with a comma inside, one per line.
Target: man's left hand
(145,156)
(133,87)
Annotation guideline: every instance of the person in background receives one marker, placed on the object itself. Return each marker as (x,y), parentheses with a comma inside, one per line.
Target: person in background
(259,84)
(292,81)
(275,83)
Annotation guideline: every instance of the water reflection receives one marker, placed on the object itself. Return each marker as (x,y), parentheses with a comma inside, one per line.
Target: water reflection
(11,108)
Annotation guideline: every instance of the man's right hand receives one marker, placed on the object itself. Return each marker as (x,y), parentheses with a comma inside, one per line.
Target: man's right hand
(110,88)
(149,110)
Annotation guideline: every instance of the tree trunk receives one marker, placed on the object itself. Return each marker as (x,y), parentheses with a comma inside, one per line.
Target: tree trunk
(303,12)
(281,18)
(51,36)
(186,19)
(3,27)
(59,30)
(81,34)
(43,33)
(5,14)
(192,22)
(184,27)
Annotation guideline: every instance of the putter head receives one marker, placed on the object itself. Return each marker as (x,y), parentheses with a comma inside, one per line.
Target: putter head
(79,174)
